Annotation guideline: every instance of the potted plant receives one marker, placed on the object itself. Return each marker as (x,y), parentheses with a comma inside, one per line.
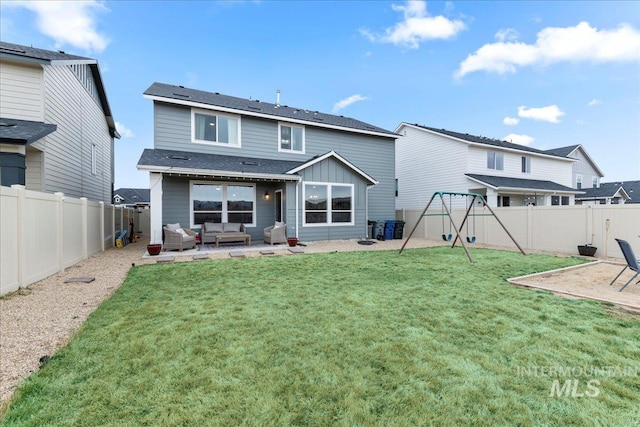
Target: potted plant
(292,241)
(587,249)
(154,248)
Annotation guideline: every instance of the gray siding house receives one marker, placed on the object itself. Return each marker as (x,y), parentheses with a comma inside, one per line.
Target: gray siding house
(56,127)
(218,158)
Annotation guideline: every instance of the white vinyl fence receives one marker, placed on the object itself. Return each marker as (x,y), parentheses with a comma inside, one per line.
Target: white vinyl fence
(546,228)
(42,234)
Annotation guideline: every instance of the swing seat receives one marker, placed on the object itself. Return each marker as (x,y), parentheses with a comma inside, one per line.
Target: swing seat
(471,239)
(447,237)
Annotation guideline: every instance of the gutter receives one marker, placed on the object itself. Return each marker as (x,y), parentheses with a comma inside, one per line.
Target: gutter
(209,172)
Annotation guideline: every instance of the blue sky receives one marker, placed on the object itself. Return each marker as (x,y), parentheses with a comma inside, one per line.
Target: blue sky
(545,74)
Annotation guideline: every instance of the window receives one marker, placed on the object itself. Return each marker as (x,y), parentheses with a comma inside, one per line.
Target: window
(396,187)
(578,181)
(291,138)
(94,159)
(216,129)
(555,200)
(504,201)
(594,182)
(526,164)
(565,200)
(495,160)
(328,204)
(220,202)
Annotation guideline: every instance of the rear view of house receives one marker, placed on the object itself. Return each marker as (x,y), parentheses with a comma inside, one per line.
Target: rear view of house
(56,127)
(220,159)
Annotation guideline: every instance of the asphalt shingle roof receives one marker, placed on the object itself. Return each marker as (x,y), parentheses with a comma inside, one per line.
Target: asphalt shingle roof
(631,187)
(562,151)
(32,52)
(605,190)
(133,195)
(488,141)
(208,162)
(258,107)
(14,131)
(525,184)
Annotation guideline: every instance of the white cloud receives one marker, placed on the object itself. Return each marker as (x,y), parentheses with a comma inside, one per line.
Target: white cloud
(124,131)
(69,23)
(550,114)
(594,102)
(510,121)
(519,139)
(348,101)
(416,27)
(508,34)
(582,43)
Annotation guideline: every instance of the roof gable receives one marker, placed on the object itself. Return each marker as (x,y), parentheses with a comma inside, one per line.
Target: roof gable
(215,100)
(43,56)
(333,154)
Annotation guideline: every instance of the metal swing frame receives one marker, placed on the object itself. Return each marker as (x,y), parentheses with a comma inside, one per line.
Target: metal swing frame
(457,229)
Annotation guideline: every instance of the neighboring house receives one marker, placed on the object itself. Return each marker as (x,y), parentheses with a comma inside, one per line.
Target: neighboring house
(132,197)
(606,194)
(56,127)
(586,173)
(218,158)
(507,174)
(632,188)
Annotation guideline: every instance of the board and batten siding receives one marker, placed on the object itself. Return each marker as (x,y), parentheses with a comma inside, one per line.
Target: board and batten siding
(80,124)
(427,163)
(542,168)
(22,91)
(328,171)
(259,139)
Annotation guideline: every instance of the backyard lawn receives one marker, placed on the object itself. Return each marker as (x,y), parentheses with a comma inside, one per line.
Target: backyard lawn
(347,339)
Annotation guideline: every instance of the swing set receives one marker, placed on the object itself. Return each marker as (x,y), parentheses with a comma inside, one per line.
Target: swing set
(471,212)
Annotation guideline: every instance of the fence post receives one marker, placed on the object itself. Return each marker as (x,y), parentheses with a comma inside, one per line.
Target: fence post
(59,231)
(529,227)
(113,226)
(85,228)
(21,224)
(101,204)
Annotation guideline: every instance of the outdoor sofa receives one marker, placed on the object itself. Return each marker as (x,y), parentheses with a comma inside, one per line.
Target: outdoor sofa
(215,232)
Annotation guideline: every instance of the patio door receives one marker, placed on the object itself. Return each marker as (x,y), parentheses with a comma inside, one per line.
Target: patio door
(279,206)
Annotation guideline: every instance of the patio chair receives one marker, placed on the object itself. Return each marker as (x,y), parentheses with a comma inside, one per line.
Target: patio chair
(632,262)
(179,238)
(275,234)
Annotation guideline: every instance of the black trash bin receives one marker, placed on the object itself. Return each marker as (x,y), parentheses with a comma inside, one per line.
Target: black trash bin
(398,230)
(378,230)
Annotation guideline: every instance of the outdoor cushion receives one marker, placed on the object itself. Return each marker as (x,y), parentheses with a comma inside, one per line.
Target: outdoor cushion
(173,227)
(232,226)
(181,231)
(213,227)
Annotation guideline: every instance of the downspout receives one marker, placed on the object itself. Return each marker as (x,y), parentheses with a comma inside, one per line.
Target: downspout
(297,189)
(366,211)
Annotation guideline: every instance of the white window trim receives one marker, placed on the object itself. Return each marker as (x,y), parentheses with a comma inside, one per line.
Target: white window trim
(527,166)
(495,160)
(329,210)
(304,137)
(579,181)
(224,200)
(195,111)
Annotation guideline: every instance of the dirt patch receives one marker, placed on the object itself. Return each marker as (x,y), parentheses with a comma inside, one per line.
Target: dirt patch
(589,281)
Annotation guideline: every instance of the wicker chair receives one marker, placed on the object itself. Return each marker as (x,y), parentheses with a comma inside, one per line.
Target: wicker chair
(175,239)
(275,234)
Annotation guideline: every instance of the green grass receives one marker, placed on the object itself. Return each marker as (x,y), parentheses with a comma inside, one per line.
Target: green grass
(348,339)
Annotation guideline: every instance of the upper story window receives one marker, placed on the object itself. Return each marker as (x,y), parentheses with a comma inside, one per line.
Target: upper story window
(578,181)
(495,160)
(215,128)
(526,164)
(594,182)
(291,138)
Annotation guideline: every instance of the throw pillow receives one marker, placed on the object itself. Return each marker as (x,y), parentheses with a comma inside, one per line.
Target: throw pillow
(232,226)
(181,231)
(173,227)
(212,227)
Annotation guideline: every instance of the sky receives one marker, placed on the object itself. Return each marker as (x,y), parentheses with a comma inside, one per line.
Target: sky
(543,74)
